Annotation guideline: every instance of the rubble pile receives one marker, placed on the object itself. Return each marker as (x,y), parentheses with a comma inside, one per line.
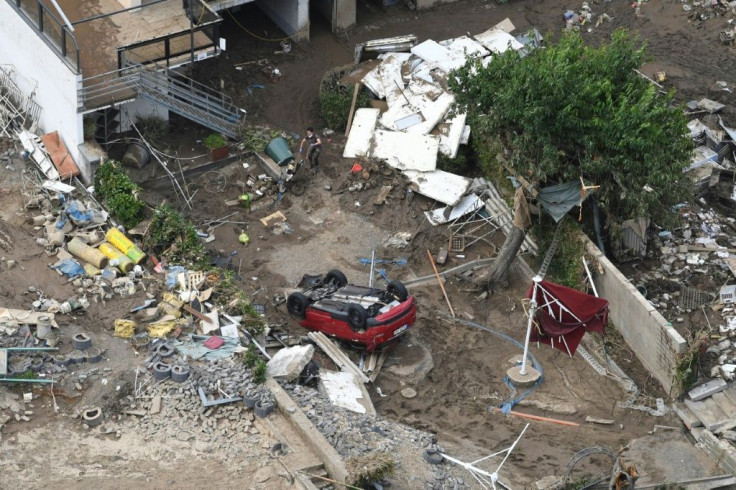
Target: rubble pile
(353,434)
(415,124)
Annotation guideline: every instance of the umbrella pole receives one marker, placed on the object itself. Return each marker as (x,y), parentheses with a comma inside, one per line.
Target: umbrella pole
(532,311)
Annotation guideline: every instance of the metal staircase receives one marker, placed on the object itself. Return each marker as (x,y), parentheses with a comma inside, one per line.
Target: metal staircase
(178,93)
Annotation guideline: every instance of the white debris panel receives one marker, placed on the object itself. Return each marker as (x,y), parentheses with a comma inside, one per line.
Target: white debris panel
(419,122)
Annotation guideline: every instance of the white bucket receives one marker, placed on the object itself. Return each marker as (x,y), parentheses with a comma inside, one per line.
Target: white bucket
(43,327)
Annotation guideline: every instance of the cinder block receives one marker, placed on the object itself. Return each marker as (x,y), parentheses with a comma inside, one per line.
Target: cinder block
(707,389)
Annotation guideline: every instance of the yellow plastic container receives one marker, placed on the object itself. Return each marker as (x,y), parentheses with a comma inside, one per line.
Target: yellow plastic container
(124,263)
(122,243)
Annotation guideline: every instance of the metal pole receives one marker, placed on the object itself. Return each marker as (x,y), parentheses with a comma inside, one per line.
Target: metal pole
(61,13)
(532,312)
(373,261)
(19,380)
(590,276)
(191,39)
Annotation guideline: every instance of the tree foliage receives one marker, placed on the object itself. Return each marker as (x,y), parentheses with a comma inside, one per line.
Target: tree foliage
(570,111)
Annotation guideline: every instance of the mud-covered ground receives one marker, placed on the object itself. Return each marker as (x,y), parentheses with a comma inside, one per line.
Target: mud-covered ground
(333,227)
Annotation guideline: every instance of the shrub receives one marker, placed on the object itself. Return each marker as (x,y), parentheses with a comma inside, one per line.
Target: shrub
(170,233)
(215,141)
(335,99)
(118,193)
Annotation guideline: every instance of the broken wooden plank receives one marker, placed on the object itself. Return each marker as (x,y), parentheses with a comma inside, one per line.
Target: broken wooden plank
(337,355)
(379,365)
(196,313)
(356,90)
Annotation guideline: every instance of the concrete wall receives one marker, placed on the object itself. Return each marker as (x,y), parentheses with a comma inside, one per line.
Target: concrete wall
(648,333)
(292,16)
(39,70)
(142,107)
(340,13)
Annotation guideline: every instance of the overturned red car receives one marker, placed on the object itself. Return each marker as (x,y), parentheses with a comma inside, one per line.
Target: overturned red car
(368,317)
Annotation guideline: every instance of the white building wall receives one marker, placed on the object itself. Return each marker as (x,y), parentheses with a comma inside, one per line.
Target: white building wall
(42,73)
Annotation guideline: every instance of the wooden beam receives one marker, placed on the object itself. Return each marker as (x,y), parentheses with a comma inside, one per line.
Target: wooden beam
(352,107)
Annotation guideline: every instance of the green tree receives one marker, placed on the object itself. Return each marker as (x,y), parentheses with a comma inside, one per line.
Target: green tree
(573,111)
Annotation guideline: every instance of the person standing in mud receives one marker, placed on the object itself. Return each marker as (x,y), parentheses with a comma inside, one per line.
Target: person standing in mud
(315,147)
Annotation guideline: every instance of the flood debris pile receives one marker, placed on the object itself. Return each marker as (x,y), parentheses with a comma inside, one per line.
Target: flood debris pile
(415,124)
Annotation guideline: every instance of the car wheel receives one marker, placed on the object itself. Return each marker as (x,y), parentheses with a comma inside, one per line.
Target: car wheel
(297,304)
(337,277)
(298,188)
(397,289)
(357,317)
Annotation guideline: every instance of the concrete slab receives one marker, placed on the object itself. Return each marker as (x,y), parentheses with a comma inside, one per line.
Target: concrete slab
(709,413)
(705,390)
(406,151)
(498,41)
(669,457)
(344,390)
(287,363)
(431,51)
(440,185)
(686,415)
(451,138)
(361,133)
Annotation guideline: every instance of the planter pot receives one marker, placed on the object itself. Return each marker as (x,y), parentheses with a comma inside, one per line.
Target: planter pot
(219,153)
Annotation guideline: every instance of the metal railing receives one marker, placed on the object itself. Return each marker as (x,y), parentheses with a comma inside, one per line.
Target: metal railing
(52,31)
(178,93)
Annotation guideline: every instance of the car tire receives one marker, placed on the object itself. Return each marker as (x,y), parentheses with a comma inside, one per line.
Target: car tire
(250,399)
(432,456)
(298,188)
(81,341)
(397,289)
(357,317)
(180,373)
(263,409)
(297,304)
(92,416)
(336,277)
(161,371)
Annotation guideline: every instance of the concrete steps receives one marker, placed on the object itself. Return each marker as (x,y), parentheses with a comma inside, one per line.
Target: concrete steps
(709,417)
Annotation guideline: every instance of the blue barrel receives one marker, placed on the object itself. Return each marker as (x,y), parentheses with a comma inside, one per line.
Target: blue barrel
(278,150)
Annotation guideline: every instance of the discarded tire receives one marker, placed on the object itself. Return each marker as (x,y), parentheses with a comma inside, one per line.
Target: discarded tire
(81,341)
(432,456)
(251,399)
(262,409)
(61,360)
(92,416)
(398,290)
(357,317)
(161,371)
(94,355)
(36,365)
(296,304)
(165,350)
(180,373)
(337,278)
(77,357)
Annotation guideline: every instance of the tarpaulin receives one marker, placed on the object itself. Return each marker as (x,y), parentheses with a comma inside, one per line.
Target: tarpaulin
(564,315)
(558,199)
(194,347)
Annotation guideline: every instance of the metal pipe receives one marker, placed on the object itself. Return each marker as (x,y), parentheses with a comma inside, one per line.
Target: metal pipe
(590,277)
(373,263)
(63,16)
(17,380)
(532,312)
(16,349)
